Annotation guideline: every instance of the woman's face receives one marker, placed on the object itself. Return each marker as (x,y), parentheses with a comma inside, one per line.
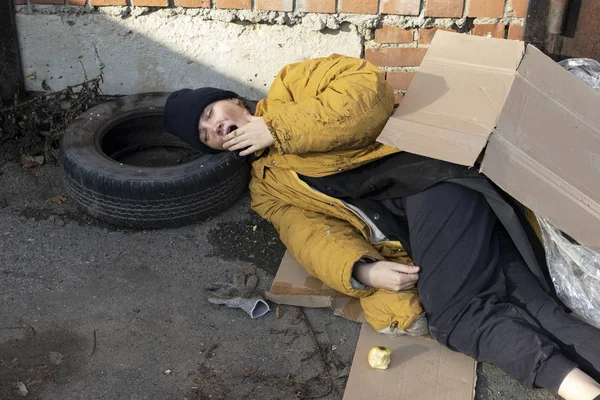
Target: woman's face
(220,118)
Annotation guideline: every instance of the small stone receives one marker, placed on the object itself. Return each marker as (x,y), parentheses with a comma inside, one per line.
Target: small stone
(28,161)
(22,388)
(56,358)
(168,372)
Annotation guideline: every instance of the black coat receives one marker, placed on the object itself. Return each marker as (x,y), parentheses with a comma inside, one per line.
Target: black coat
(404,174)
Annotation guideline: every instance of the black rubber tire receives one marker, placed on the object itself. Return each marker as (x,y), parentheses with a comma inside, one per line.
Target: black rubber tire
(144,197)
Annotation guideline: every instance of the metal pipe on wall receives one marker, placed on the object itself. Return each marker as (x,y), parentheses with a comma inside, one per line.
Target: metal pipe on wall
(557,15)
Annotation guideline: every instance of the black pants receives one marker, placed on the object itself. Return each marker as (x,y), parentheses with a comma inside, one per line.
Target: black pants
(480,297)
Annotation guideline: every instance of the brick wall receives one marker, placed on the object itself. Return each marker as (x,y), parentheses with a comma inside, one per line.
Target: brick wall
(395,33)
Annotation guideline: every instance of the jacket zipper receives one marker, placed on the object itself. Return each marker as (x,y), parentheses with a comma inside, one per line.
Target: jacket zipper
(329,200)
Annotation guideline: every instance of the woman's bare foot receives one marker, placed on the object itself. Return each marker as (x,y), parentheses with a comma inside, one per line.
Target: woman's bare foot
(577,385)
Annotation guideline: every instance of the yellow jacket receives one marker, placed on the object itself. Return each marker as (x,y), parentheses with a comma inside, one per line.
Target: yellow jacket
(325,115)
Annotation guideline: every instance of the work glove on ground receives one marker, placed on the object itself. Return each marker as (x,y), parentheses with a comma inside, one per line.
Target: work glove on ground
(239,294)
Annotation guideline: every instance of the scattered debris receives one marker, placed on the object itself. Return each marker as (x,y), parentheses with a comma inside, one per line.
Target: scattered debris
(22,388)
(247,270)
(28,328)
(168,372)
(55,357)
(318,347)
(379,357)
(59,199)
(31,76)
(254,228)
(277,312)
(46,116)
(25,326)
(45,85)
(210,352)
(31,162)
(57,220)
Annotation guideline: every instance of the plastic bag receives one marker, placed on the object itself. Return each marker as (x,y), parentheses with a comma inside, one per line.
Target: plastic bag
(586,69)
(575,273)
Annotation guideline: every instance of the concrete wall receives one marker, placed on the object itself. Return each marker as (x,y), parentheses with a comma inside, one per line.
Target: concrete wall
(166,46)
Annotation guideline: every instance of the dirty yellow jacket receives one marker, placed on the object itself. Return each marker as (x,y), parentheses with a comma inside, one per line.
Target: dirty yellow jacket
(325,115)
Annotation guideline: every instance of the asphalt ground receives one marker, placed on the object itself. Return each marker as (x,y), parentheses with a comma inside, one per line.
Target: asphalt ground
(89,311)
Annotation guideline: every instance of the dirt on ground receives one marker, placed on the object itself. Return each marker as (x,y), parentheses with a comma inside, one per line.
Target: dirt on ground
(91,311)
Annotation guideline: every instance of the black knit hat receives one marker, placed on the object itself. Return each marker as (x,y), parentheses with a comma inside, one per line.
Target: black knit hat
(183,110)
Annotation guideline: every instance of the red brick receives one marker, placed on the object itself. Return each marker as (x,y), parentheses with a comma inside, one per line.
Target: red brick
(400,79)
(486,8)
(359,6)
(426,35)
(237,4)
(395,57)
(515,32)
(150,3)
(401,7)
(47,1)
(19,2)
(192,3)
(108,2)
(444,8)
(493,30)
(519,8)
(393,34)
(272,5)
(398,97)
(316,6)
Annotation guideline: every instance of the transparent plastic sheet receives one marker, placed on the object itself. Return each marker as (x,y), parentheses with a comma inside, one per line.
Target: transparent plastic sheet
(575,273)
(586,69)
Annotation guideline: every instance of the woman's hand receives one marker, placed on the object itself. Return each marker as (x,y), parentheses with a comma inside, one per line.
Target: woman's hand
(252,137)
(387,275)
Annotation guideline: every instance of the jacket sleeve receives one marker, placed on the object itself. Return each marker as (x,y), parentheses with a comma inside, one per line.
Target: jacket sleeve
(346,110)
(326,247)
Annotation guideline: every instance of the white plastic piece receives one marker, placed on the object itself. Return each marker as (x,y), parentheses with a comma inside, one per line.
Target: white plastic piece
(575,273)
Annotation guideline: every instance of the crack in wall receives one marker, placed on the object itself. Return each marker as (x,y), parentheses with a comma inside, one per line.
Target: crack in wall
(98,60)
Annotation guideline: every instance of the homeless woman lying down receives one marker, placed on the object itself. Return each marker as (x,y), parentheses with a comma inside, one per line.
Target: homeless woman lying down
(414,238)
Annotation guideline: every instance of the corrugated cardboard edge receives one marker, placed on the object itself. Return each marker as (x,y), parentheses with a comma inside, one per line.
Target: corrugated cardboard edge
(295,287)
(416,364)
(438,116)
(558,186)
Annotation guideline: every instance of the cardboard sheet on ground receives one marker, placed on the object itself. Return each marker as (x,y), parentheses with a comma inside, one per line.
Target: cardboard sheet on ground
(420,368)
(534,127)
(296,287)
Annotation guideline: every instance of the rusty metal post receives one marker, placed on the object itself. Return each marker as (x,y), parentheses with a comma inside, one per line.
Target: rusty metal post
(535,23)
(11,76)
(556,16)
